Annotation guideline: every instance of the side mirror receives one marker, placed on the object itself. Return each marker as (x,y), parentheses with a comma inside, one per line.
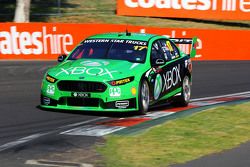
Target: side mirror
(61,57)
(159,62)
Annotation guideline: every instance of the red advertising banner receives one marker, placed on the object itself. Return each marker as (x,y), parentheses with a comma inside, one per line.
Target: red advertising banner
(44,41)
(199,9)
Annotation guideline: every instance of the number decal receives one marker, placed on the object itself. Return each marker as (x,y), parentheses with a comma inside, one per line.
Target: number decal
(139,48)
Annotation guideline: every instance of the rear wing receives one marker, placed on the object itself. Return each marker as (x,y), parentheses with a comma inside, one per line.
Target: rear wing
(187,41)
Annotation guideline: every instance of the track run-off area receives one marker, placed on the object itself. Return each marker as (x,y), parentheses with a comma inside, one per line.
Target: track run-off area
(28,132)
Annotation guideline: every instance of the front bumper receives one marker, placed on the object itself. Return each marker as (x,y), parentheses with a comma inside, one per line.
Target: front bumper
(53,98)
(88,104)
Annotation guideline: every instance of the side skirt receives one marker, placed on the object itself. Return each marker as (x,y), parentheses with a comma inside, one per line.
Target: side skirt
(166,98)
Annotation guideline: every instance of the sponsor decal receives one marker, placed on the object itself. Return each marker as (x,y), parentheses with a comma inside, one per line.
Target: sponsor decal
(158,86)
(48,40)
(167,4)
(46,100)
(50,89)
(80,94)
(121,81)
(222,9)
(16,41)
(93,71)
(171,78)
(136,42)
(143,44)
(115,92)
(122,104)
(96,40)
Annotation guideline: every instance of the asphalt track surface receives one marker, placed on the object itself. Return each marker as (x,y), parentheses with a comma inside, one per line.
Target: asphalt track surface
(20,92)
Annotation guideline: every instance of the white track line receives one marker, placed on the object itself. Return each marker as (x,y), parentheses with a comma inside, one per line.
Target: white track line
(81,123)
(155,114)
(92,130)
(221,96)
(21,141)
(37,135)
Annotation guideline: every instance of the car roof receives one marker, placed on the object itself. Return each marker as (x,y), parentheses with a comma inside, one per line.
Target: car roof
(119,35)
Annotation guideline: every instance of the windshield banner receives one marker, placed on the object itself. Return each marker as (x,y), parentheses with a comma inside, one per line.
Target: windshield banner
(45,41)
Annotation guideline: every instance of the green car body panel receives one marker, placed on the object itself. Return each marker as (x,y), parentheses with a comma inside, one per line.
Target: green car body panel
(103,84)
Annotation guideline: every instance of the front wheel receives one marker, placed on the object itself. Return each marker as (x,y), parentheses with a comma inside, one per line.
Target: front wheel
(184,98)
(143,97)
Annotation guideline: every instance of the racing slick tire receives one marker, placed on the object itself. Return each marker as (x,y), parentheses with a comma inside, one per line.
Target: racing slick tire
(184,98)
(143,97)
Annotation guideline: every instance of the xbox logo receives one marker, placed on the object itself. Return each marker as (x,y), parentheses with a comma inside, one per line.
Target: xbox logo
(89,63)
(158,86)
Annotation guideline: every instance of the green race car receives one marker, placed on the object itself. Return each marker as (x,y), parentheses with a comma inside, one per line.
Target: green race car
(120,72)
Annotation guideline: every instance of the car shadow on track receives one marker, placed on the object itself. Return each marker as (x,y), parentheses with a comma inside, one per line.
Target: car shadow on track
(156,108)
(162,107)
(92,113)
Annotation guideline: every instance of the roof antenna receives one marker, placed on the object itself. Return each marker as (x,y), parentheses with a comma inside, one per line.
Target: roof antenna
(127,33)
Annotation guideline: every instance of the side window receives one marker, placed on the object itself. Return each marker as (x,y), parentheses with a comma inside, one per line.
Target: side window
(156,52)
(170,50)
(166,49)
(175,53)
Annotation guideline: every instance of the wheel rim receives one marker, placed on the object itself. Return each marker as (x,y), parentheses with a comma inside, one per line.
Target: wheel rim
(145,96)
(186,89)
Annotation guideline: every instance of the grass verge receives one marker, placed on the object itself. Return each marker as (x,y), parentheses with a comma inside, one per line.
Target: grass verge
(180,140)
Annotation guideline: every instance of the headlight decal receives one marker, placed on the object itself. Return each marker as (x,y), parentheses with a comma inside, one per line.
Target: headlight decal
(50,79)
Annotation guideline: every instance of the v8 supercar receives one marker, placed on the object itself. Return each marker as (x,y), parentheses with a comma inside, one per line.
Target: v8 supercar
(120,72)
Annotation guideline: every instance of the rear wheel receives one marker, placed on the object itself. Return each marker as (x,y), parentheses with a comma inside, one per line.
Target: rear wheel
(184,98)
(143,97)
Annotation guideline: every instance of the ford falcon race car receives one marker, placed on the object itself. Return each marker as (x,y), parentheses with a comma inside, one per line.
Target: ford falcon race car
(120,72)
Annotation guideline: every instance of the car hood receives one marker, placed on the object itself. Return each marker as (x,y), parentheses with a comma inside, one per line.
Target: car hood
(95,69)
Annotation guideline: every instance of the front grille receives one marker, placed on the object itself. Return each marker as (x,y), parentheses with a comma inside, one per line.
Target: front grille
(83,102)
(81,86)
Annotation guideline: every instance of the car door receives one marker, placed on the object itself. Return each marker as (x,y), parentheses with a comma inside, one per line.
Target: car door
(165,78)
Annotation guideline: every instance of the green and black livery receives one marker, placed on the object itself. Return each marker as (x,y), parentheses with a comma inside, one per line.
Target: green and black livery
(120,72)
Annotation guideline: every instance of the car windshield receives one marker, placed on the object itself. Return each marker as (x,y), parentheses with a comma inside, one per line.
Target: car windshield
(117,49)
